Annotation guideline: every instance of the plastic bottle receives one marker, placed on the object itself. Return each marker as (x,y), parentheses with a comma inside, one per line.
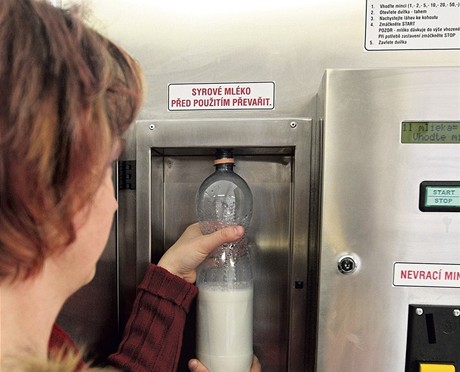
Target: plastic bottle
(224,279)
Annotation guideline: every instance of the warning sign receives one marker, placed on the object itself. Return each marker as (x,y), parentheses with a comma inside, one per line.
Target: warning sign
(221,96)
(426,275)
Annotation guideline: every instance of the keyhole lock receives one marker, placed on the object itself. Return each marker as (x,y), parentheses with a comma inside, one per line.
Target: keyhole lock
(347,265)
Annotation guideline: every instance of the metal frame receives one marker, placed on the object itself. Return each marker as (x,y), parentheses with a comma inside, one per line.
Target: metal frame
(262,136)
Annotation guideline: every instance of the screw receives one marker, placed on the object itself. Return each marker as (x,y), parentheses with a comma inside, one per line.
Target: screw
(456,312)
(293,124)
(298,284)
(152,126)
(419,311)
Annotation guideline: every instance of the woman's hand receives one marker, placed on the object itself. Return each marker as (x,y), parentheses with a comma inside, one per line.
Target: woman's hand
(193,247)
(195,366)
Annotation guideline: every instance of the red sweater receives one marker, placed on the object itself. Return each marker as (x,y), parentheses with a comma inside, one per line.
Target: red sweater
(152,338)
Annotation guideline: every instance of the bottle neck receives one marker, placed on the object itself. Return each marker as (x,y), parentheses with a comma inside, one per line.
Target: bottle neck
(225,167)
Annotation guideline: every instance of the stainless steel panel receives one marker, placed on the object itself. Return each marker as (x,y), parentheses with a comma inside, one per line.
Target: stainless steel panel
(174,157)
(370,209)
(290,42)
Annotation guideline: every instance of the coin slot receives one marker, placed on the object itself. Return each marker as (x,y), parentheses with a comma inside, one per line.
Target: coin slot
(430,328)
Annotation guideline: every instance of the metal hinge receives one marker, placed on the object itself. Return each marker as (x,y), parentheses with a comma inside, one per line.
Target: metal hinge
(127,175)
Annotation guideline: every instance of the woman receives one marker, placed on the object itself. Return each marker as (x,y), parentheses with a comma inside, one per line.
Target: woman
(67,95)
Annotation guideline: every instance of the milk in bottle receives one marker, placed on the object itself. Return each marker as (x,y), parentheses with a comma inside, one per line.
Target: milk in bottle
(224,279)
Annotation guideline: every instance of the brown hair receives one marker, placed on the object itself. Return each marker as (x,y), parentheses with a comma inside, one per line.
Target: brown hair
(67,94)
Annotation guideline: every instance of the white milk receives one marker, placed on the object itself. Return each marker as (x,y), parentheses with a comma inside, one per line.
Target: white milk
(224,342)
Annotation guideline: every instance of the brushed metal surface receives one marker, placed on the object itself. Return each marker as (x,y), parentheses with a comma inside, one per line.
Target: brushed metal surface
(290,42)
(370,209)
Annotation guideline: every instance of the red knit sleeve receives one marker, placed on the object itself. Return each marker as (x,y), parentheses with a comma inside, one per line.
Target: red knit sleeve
(152,339)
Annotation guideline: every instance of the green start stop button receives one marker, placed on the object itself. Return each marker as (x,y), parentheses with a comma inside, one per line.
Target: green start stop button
(439,196)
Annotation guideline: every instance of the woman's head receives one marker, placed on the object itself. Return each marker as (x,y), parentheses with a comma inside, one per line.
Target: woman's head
(67,94)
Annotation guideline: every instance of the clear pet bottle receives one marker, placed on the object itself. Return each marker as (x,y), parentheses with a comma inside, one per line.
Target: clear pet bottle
(224,279)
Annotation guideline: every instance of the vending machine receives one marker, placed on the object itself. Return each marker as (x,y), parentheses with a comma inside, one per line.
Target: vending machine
(389,288)
(356,232)
(346,127)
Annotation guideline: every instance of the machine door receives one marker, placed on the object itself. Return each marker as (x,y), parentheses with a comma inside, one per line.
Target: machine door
(390,231)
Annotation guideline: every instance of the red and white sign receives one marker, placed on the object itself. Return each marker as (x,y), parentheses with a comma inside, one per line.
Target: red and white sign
(221,96)
(426,275)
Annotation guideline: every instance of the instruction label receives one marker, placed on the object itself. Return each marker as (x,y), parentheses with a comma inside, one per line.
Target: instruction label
(426,275)
(412,25)
(221,96)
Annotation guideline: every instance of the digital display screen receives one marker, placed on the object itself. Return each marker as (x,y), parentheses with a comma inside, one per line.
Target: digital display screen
(440,196)
(430,132)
